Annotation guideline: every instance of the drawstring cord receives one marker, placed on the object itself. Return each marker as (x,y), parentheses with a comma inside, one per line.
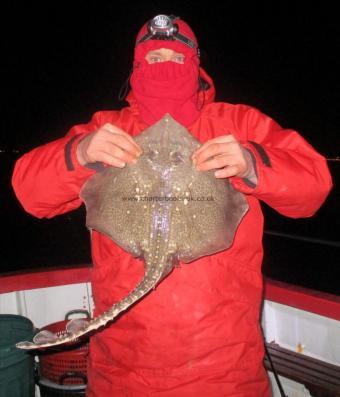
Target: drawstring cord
(124,89)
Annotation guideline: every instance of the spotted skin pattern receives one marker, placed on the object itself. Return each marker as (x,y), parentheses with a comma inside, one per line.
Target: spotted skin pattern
(161,210)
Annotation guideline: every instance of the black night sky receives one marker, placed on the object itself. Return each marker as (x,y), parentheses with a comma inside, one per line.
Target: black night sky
(61,62)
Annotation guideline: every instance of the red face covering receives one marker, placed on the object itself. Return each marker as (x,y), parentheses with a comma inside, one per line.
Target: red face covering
(166,87)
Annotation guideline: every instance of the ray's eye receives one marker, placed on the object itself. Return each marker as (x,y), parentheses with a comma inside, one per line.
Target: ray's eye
(176,157)
(153,154)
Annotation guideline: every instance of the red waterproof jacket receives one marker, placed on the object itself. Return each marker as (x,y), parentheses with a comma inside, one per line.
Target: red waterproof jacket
(198,333)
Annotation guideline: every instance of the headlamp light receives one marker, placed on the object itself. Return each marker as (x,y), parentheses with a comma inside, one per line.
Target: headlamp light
(163,27)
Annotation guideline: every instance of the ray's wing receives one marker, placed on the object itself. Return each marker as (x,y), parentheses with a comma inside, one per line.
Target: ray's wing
(114,206)
(208,219)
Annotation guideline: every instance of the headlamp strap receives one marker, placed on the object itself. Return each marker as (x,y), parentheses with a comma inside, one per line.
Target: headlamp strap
(159,36)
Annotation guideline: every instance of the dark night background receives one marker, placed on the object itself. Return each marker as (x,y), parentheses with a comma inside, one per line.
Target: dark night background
(61,63)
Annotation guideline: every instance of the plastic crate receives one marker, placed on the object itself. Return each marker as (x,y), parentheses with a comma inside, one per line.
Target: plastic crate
(65,360)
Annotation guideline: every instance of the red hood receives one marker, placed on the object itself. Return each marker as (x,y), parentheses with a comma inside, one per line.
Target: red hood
(207,96)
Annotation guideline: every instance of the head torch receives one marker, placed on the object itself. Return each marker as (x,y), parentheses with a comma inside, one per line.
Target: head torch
(163,27)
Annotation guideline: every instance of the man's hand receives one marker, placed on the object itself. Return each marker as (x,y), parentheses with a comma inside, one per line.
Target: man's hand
(110,145)
(226,155)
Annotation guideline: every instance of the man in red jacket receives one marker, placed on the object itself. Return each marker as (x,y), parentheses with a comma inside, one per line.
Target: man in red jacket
(198,333)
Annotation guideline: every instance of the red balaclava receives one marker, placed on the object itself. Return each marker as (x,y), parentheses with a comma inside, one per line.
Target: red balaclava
(166,87)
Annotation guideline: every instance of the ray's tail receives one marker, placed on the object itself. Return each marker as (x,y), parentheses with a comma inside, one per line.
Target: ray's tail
(79,327)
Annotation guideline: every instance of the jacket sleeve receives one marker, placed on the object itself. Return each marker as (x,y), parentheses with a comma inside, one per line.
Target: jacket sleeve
(47,180)
(292,177)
